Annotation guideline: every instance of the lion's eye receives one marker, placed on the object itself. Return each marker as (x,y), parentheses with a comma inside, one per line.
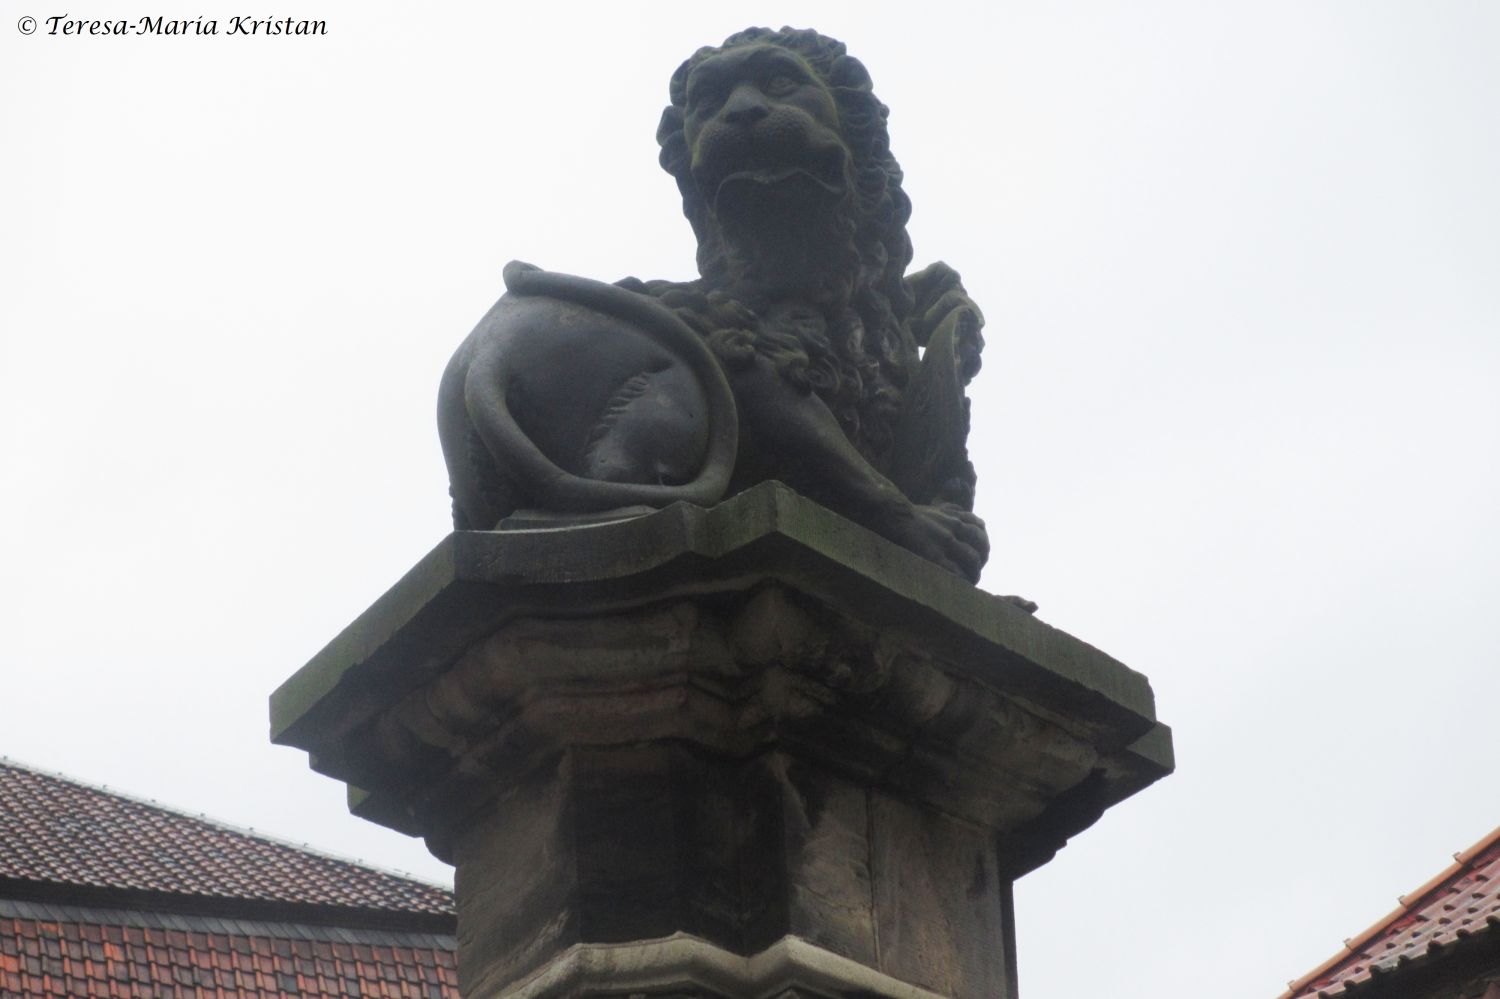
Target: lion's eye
(780,85)
(703,98)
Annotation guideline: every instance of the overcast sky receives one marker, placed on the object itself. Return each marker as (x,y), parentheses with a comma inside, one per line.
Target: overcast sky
(1238,425)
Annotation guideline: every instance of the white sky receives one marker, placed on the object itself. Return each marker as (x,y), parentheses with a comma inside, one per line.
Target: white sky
(1239,423)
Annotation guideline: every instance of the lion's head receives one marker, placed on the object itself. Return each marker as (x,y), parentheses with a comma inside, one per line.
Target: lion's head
(781,130)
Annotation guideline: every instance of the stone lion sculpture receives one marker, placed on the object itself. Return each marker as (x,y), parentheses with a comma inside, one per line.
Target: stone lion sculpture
(802,353)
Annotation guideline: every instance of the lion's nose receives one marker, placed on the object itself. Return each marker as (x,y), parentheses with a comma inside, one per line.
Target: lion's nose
(745,105)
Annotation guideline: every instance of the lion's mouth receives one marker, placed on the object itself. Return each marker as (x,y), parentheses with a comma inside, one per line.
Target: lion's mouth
(774,176)
(770,170)
(821,178)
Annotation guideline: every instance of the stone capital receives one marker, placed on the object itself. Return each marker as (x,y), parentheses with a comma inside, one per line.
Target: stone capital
(753,750)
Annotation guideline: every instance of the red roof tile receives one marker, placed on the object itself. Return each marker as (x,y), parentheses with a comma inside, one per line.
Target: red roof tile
(106,895)
(1461,903)
(58,832)
(45,958)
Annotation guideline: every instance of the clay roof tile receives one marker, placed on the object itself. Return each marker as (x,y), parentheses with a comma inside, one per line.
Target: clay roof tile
(54,830)
(1425,923)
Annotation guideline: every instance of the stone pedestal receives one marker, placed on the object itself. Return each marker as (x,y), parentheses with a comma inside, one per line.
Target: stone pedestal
(753,752)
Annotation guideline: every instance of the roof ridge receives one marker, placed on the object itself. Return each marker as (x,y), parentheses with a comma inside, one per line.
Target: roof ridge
(1409,904)
(229,827)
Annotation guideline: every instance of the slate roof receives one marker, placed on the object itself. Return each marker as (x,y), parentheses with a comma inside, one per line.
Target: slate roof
(1459,907)
(57,831)
(106,895)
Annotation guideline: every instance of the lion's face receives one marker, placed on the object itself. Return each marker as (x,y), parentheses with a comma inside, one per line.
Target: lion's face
(762,131)
(781,149)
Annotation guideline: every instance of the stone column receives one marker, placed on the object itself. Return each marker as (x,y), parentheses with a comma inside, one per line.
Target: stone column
(752,752)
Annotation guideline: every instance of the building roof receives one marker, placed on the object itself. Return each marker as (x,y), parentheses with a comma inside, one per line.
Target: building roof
(51,951)
(1460,906)
(106,895)
(89,841)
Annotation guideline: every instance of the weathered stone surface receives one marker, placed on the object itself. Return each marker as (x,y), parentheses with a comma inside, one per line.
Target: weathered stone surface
(762,747)
(475,581)
(790,969)
(938,900)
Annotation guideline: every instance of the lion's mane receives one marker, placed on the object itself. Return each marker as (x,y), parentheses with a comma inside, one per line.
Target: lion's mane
(859,362)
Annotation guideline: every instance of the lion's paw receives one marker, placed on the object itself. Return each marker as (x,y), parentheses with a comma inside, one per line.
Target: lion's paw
(949,535)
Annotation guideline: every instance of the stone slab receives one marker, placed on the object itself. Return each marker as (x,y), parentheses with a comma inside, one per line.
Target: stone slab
(474,581)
